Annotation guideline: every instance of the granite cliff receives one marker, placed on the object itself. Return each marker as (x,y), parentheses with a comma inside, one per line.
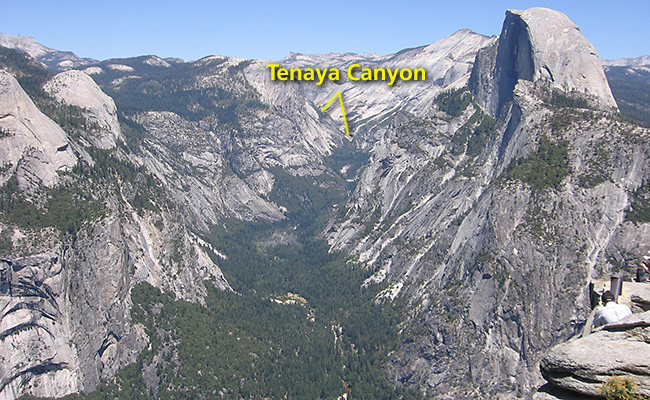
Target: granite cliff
(492,228)
(74,243)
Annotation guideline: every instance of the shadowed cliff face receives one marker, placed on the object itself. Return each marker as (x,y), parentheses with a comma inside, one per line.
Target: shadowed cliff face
(34,329)
(500,66)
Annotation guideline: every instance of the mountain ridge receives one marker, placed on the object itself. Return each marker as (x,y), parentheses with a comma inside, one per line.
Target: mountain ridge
(55,59)
(628,62)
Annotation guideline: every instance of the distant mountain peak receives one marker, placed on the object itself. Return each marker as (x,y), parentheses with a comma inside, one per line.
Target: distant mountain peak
(25,43)
(640,61)
(54,60)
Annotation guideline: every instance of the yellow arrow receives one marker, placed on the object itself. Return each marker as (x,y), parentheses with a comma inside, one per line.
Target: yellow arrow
(345,120)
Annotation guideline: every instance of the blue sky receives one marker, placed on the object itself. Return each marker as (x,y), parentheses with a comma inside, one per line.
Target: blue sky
(271,29)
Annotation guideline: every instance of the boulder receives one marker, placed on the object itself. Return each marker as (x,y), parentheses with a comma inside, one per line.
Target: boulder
(618,349)
(640,299)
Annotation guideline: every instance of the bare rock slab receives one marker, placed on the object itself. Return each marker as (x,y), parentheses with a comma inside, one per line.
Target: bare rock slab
(621,349)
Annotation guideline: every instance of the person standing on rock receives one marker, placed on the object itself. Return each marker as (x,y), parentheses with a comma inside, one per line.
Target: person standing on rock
(612,311)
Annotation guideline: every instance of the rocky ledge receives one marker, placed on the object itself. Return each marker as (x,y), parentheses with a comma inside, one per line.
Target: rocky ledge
(581,366)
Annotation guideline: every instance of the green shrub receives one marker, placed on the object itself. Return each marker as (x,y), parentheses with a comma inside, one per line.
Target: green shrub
(480,135)
(545,168)
(639,210)
(620,388)
(65,208)
(30,73)
(454,102)
(568,100)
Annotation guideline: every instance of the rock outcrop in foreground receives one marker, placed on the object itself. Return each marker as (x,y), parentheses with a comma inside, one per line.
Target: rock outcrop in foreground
(619,349)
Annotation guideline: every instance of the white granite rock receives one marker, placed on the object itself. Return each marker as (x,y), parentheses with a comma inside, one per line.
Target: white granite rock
(619,349)
(562,55)
(31,144)
(78,89)
(541,46)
